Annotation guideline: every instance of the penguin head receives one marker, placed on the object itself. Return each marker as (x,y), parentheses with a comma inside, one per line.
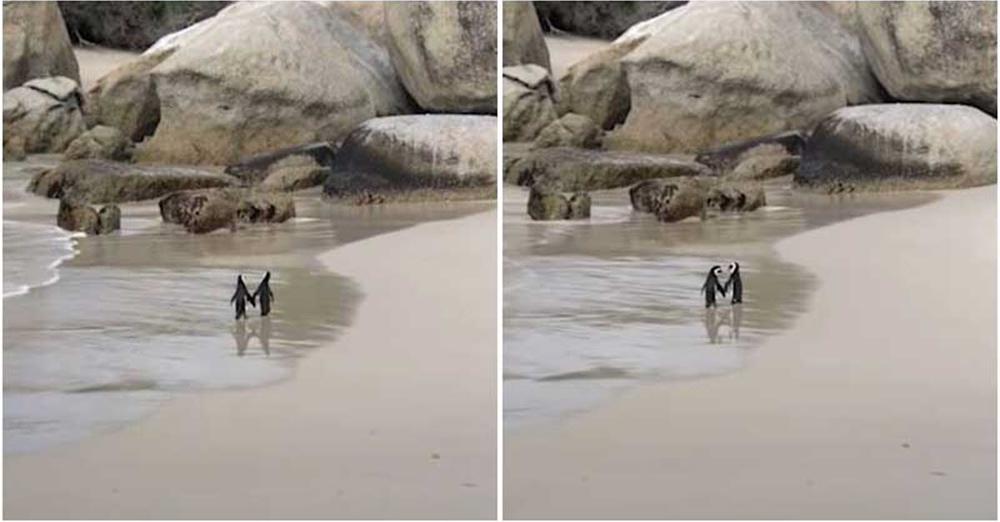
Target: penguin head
(715,271)
(734,267)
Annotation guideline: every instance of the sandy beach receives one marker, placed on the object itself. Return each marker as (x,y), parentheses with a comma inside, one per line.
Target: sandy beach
(392,420)
(879,402)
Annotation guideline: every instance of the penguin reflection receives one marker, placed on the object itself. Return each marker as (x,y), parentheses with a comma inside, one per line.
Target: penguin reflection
(241,336)
(734,329)
(265,335)
(715,320)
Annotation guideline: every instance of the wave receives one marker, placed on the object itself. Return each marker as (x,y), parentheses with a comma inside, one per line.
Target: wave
(32,254)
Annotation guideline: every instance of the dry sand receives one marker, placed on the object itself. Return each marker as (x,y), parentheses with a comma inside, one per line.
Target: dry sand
(396,419)
(879,403)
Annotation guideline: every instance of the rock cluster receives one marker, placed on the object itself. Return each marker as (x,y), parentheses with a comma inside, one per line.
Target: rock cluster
(784,89)
(202,211)
(674,199)
(79,217)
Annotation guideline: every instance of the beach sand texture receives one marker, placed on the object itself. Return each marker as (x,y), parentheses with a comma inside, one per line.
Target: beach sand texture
(879,403)
(396,419)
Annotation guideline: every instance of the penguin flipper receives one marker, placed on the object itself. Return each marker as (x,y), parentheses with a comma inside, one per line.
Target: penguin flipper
(722,289)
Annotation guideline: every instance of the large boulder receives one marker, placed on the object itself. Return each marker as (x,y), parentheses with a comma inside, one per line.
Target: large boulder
(772,67)
(261,76)
(523,41)
(406,152)
(445,53)
(126,99)
(98,181)
(901,146)
(201,211)
(933,51)
(595,86)
(35,44)
(79,217)
(132,25)
(571,130)
(572,169)
(528,104)
(601,19)
(43,115)
(100,142)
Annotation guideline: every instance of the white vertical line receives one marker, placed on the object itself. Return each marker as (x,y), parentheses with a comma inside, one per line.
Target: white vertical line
(499,292)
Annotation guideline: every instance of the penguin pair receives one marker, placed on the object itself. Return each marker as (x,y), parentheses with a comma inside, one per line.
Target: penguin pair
(712,284)
(242,296)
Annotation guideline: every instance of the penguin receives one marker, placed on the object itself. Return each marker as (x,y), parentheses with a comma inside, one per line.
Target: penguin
(711,285)
(241,297)
(264,293)
(735,282)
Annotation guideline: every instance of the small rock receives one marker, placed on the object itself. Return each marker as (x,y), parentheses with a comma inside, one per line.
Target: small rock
(110,218)
(735,197)
(257,168)
(78,217)
(766,167)
(295,178)
(727,157)
(579,206)
(571,130)
(100,142)
(545,203)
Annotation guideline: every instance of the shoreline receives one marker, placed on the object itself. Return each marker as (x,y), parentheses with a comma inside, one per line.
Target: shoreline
(373,430)
(855,440)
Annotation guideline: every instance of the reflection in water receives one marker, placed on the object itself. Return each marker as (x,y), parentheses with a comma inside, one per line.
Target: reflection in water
(265,335)
(730,316)
(737,311)
(260,329)
(241,336)
(595,307)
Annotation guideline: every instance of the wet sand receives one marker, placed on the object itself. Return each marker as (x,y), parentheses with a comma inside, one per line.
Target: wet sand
(879,402)
(396,419)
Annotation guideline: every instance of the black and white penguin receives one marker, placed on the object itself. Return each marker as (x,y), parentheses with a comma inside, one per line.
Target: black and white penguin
(735,282)
(265,295)
(712,285)
(241,297)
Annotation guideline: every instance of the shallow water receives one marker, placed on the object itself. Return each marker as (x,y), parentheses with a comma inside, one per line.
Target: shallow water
(101,330)
(595,307)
